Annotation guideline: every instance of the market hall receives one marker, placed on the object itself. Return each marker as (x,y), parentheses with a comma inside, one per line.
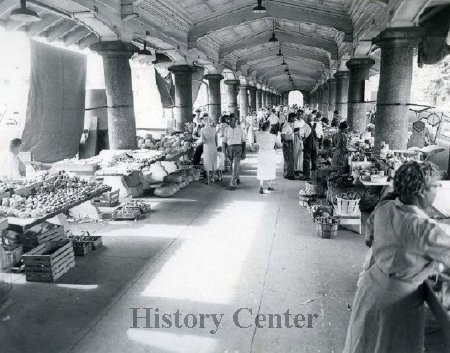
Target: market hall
(224,176)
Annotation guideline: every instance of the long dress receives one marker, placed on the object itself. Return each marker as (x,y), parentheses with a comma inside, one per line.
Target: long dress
(388,311)
(267,157)
(208,135)
(340,149)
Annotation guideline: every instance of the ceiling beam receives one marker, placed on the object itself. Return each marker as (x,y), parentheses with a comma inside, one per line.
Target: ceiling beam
(287,51)
(87,41)
(45,23)
(338,20)
(276,61)
(6,6)
(284,37)
(60,30)
(76,35)
(299,75)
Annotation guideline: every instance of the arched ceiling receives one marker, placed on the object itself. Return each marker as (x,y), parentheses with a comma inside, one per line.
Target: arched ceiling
(315,37)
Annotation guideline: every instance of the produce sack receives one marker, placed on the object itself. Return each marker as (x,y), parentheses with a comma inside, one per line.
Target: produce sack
(167,190)
(169,167)
(158,173)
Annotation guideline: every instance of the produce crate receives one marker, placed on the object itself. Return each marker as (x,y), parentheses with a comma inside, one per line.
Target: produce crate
(347,206)
(41,233)
(107,199)
(82,248)
(10,256)
(84,244)
(127,213)
(327,227)
(49,261)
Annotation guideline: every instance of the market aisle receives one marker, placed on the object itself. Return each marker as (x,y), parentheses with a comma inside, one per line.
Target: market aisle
(241,250)
(207,251)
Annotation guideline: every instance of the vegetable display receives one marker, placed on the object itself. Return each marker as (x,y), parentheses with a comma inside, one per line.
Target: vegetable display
(52,196)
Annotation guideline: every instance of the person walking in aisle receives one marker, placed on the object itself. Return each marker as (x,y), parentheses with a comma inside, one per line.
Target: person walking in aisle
(234,144)
(266,158)
(310,148)
(209,138)
(287,138)
(301,130)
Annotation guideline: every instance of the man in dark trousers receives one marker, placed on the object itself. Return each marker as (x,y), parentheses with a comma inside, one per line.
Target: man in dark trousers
(310,148)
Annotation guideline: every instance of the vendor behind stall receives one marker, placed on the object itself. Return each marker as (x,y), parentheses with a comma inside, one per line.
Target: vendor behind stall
(11,167)
(340,140)
(388,309)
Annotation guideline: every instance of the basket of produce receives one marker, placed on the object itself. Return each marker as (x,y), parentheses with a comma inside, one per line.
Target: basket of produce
(327,226)
(85,243)
(306,197)
(127,213)
(347,203)
(377,178)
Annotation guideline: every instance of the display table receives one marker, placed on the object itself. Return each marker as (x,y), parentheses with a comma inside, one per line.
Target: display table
(23,224)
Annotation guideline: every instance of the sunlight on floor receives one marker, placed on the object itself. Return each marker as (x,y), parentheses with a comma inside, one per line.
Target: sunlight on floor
(190,275)
(171,342)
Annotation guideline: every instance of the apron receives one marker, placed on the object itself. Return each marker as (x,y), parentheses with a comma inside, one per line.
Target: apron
(387,315)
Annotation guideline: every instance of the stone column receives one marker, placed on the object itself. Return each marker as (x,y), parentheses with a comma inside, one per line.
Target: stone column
(232,93)
(266,99)
(359,72)
(215,99)
(391,119)
(313,100)
(119,93)
(286,98)
(331,97)
(252,90)
(259,103)
(319,98)
(342,80)
(325,97)
(183,95)
(243,101)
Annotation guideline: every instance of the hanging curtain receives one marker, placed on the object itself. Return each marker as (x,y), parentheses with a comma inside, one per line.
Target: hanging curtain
(56,101)
(166,89)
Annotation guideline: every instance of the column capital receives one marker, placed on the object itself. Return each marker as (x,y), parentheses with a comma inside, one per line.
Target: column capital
(213,77)
(331,80)
(114,49)
(363,63)
(251,87)
(399,37)
(232,82)
(176,69)
(342,73)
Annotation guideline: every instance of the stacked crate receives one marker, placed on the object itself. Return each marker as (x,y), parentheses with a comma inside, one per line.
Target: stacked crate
(49,261)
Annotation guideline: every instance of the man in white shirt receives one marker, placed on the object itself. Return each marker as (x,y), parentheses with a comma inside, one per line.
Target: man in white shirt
(274,123)
(11,167)
(234,146)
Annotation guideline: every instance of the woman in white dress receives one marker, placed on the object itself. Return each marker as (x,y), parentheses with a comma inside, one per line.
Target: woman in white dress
(266,157)
(209,138)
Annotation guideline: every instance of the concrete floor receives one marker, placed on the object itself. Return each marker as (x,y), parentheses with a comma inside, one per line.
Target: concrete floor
(207,251)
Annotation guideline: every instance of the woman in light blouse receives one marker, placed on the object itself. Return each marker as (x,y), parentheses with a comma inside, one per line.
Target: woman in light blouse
(406,245)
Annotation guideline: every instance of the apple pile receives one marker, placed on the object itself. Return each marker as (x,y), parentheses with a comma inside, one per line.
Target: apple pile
(170,145)
(52,196)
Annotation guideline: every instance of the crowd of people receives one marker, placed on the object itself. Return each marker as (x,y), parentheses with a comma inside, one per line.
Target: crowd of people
(298,131)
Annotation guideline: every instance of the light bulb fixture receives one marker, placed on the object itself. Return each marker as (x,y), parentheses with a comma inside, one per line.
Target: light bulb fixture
(279,51)
(273,39)
(283,63)
(23,14)
(259,8)
(286,69)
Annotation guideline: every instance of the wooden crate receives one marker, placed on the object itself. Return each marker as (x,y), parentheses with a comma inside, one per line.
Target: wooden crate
(124,213)
(40,234)
(49,261)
